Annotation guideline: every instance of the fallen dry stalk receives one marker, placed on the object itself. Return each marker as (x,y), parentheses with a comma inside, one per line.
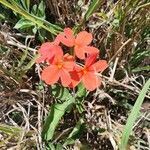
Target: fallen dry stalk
(117,83)
(119,50)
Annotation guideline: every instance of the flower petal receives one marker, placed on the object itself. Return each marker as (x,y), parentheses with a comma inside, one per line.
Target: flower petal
(65,77)
(50,74)
(90,60)
(100,65)
(91,50)
(79,52)
(69,65)
(40,59)
(91,81)
(67,37)
(68,62)
(83,38)
(47,52)
(75,76)
(69,34)
(44,47)
(56,41)
(58,51)
(68,57)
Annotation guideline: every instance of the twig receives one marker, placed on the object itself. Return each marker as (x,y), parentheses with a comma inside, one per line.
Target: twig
(119,50)
(148,137)
(114,69)
(140,119)
(61,134)
(20,45)
(39,126)
(117,83)
(9,75)
(144,5)
(8,39)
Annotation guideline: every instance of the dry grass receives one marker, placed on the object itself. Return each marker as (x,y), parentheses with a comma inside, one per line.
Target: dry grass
(24,100)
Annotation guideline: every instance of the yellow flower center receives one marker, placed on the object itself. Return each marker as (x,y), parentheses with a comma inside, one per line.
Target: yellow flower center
(60,65)
(84,70)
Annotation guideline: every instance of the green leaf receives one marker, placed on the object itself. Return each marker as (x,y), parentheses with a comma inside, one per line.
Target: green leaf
(23,24)
(54,29)
(41,34)
(139,69)
(26,4)
(34,9)
(59,146)
(80,96)
(34,30)
(41,10)
(102,15)
(133,116)
(23,58)
(115,23)
(61,92)
(95,4)
(2,17)
(81,92)
(55,115)
(118,12)
(50,146)
(74,134)
(57,110)
(10,129)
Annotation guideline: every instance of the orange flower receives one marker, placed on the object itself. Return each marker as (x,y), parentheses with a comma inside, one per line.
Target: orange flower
(63,67)
(87,74)
(59,69)
(80,43)
(66,37)
(48,51)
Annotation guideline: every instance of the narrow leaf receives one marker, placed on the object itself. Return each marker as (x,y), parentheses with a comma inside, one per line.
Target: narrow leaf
(74,134)
(56,113)
(95,4)
(61,93)
(139,69)
(23,23)
(41,10)
(133,116)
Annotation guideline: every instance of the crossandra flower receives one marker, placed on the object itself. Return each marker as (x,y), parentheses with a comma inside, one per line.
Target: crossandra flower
(48,51)
(63,67)
(80,42)
(59,69)
(87,73)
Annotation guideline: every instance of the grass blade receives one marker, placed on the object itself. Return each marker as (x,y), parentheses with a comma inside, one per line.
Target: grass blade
(95,4)
(133,116)
(10,129)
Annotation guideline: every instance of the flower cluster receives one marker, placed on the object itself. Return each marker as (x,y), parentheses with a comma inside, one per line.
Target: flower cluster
(64,67)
